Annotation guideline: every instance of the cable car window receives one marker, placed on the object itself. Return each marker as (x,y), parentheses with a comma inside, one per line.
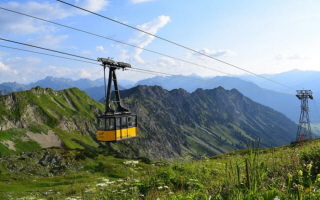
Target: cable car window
(111,124)
(129,121)
(123,122)
(118,123)
(134,118)
(101,123)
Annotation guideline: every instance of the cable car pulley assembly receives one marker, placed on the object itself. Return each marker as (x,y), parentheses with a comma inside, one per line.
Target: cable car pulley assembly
(115,124)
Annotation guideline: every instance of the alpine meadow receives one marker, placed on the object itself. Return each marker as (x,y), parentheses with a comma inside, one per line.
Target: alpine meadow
(159,100)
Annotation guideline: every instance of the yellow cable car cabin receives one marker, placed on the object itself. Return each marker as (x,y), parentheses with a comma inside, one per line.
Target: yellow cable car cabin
(117,127)
(117,123)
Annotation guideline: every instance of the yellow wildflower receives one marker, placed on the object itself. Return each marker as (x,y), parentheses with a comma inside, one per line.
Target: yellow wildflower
(300,173)
(309,166)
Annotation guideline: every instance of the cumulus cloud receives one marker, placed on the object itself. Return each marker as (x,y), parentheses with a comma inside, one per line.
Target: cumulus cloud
(124,56)
(49,41)
(214,53)
(27,61)
(18,24)
(94,5)
(56,71)
(164,62)
(140,1)
(85,74)
(101,49)
(86,52)
(4,67)
(21,25)
(280,57)
(142,40)
(297,57)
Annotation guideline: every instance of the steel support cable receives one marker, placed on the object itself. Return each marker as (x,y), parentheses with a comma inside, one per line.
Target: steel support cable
(114,40)
(133,69)
(121,42)
(174,43)
(69,54)
(46,54)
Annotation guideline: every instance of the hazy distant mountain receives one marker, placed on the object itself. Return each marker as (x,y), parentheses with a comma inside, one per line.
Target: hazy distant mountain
(56,84)
(287,104)
(13,86)
(63,83)
(296,79)
(190,83)
(98,93)
(4,92)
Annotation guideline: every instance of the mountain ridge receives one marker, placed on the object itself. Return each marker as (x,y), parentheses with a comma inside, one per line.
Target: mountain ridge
(171,123)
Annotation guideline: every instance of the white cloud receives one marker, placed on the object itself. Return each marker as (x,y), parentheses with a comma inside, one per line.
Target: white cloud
(85,74)
(101,49)
(214,53)
(164,62)
(297,57)
(142,40)
(85,52)
(56,71)
(49,41)
(94,5)
(4,67)
(21,25)
(140,1)
(17,24)
(27,61)
(124,55)
(280,57)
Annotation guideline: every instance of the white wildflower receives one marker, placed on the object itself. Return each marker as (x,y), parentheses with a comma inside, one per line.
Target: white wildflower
(70,198)
(131,162)
(101,185)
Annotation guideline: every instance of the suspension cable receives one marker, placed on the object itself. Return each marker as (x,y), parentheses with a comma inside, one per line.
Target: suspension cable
(175,43)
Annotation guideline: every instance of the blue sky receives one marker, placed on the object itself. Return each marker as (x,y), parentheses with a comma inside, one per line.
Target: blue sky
(260,36)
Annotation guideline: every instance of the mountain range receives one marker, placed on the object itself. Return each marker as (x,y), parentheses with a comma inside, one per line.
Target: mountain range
(53,83)
(275,96)
(285,103)
(172,123)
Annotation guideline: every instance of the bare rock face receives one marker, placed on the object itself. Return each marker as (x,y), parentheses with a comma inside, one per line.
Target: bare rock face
(4,92)
(40,163)
(46,140)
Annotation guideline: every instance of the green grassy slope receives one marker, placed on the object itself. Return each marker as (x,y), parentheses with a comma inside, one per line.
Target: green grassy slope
(69,113)
(287,172)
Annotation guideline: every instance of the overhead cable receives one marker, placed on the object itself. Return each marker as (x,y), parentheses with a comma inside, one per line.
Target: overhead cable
(114,40)
(175,43)
(46,54)
(133,69)
(46,49)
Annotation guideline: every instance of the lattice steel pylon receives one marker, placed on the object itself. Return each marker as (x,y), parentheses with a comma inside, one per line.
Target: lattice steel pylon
(304,128)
